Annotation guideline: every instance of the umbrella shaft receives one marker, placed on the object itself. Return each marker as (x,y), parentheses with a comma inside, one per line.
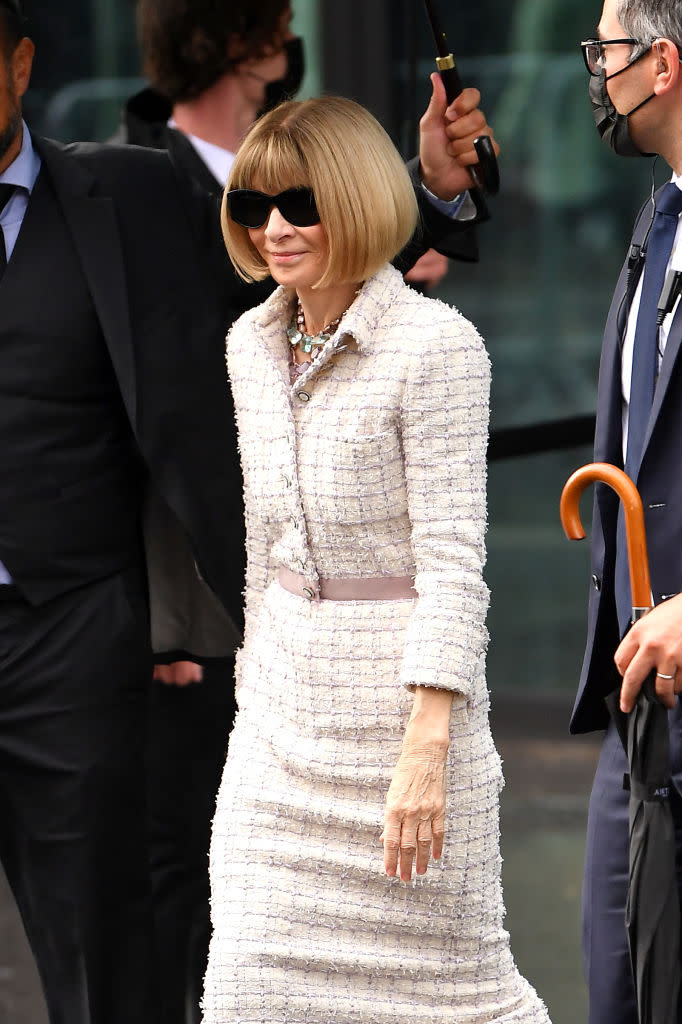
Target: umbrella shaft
(451,81)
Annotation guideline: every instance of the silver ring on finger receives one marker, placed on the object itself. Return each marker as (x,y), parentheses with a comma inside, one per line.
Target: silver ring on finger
(662,675)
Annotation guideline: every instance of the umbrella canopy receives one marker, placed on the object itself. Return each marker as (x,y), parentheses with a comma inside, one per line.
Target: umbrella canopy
(652,915)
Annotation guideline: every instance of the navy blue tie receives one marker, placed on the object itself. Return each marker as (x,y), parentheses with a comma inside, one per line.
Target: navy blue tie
(645,367)
(6,193)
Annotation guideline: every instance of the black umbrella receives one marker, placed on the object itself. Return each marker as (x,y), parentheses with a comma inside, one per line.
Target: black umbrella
(652,915)
(485,173)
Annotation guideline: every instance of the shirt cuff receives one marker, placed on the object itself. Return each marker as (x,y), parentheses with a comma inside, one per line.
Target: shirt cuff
(462,207)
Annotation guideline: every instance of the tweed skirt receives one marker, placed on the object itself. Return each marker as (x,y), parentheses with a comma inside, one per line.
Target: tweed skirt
(307,927)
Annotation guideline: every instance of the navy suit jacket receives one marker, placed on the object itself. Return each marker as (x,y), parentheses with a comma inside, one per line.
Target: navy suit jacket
(660,485)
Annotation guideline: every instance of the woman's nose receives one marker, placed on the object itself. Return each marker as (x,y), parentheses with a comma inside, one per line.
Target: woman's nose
(276,226)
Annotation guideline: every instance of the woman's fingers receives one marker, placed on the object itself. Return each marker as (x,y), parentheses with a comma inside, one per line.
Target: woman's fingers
(409,844)
(391,840)
(408,850)
(424,840)
(438,833)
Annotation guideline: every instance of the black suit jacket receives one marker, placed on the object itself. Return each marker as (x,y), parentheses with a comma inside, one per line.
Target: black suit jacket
(141,234)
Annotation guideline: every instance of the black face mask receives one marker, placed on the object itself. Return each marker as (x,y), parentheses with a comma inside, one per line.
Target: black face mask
(286,88)
(614,128)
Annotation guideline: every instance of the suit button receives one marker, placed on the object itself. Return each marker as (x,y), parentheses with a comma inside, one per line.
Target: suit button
(303,396)
(596,581)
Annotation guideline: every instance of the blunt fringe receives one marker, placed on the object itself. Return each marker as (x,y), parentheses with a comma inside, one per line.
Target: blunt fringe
(362,189)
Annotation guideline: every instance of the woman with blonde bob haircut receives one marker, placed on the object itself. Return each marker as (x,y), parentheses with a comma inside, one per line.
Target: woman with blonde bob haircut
(368,206)
(362,410)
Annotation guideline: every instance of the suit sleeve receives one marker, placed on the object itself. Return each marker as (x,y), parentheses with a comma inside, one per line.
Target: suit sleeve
(456,239)
(445,429)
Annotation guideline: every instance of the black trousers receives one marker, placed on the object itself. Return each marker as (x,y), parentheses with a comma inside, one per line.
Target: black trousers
(189,729)
(74,681)
(605,950)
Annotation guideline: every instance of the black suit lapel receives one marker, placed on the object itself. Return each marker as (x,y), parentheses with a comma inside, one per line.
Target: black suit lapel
(185,157)
(92,222)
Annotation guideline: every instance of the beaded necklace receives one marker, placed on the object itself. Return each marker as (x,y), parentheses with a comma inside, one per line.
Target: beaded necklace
(296,332)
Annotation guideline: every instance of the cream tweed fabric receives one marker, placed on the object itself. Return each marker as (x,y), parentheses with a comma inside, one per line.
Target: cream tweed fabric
(372,463)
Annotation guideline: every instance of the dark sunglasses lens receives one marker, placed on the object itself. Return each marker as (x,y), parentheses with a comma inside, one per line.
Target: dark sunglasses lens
(251,209)
(297,205)
(248,208)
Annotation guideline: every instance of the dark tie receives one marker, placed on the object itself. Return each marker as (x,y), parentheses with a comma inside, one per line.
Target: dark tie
(645,367)
(6,193)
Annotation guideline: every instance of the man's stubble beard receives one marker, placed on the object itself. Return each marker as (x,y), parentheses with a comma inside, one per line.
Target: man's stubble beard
(9,133)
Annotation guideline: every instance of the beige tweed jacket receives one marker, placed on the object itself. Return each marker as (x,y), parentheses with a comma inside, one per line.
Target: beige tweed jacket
(373,463)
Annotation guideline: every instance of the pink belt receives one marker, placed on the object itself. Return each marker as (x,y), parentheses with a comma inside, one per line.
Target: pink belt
(362,588)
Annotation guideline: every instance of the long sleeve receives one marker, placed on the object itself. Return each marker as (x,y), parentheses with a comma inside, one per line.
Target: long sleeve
(445,430)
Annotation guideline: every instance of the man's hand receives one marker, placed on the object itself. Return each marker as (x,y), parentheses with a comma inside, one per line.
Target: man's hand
(179,673)
(653,642)
(446,140)
(429,270)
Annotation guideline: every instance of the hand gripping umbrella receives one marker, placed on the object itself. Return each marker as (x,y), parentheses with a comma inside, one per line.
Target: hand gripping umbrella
(652,915)
(485,174)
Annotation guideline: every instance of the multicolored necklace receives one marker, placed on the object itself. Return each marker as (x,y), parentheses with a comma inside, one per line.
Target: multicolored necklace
(296,332)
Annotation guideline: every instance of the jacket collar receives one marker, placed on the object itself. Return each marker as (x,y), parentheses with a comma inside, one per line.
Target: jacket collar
(360,321)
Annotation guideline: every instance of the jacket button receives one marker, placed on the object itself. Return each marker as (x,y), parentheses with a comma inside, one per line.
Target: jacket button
(303,396)
(596,581)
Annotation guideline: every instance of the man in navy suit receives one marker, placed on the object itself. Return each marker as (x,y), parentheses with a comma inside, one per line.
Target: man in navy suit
(636,90)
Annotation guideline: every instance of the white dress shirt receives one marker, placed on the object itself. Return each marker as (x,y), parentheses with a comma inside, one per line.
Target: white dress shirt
(675,263)
(218,160)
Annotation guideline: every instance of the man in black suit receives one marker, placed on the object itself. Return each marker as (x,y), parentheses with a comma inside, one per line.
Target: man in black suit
(113,417)
(200,102)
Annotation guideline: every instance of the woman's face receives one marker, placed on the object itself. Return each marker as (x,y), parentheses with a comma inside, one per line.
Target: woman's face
(296,257)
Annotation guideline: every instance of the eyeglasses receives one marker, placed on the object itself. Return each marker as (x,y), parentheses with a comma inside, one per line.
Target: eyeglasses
(593,53)
(251,209)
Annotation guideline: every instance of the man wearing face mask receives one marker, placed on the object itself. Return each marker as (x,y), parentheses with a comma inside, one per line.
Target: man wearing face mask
(636,93)
(212,69)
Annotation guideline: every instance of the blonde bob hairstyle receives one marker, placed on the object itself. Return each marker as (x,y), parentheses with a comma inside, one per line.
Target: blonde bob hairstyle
(362,190)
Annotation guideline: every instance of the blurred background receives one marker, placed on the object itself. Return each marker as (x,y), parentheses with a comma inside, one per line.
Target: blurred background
(539,296)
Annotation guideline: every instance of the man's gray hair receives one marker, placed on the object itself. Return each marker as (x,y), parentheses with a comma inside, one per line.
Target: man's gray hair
(646,20)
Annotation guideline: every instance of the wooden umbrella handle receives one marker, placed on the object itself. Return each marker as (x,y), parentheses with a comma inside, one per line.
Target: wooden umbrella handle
(634,520)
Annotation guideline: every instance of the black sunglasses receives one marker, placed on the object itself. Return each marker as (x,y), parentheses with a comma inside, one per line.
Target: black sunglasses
(251,209)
